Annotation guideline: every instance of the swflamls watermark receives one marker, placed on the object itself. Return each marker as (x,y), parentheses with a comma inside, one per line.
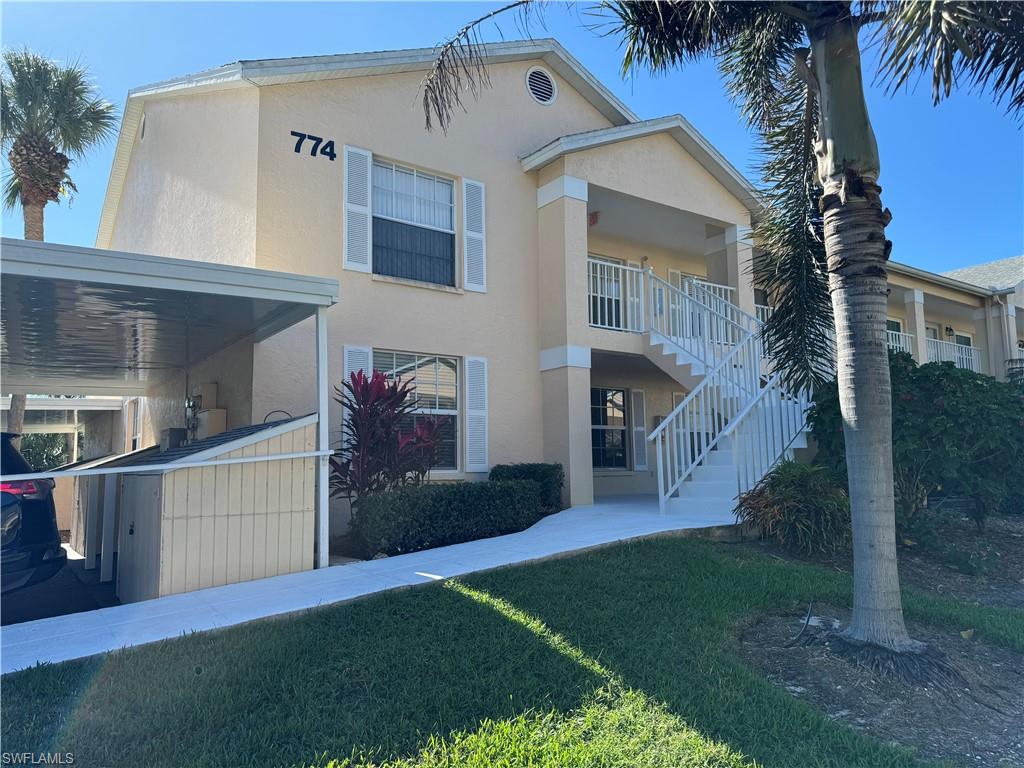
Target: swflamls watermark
(37,758)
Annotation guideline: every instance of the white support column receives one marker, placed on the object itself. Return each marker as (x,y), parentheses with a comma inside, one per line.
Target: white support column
(111,485)
(914,301)
(323,512)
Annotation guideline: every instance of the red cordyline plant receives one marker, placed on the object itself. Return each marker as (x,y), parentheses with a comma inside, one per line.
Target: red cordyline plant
(379,450)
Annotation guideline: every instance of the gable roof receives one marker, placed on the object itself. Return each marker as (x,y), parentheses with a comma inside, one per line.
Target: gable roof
(259,72)
(678,127)
(996,275)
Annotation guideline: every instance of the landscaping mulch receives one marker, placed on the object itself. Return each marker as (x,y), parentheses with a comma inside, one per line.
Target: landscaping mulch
(977,725)
(986,567)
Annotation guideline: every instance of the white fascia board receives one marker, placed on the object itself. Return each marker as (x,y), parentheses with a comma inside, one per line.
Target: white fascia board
(46,403)
(947,282)
(681,130)
(95,265)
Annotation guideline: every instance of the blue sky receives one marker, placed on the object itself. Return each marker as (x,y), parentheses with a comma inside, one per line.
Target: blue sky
(953,176)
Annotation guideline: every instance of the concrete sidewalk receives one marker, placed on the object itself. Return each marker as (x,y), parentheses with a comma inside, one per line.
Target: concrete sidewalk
(83,634)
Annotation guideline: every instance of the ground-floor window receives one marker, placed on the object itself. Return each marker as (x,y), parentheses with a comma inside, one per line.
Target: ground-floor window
(609,436)
(435,385)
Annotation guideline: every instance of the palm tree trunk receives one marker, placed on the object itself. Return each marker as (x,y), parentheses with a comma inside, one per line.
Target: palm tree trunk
(32,212)
(856,250)
(33,215)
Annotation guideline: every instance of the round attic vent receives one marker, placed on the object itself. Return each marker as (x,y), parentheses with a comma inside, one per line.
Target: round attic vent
(541,85)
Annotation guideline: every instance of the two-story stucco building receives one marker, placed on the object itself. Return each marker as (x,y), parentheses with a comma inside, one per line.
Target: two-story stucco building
(564,281)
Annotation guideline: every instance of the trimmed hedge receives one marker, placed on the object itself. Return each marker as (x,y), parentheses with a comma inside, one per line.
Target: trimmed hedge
(425,516)
(549,477)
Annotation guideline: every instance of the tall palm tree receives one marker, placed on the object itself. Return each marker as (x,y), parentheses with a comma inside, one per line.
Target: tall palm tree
(50,115)
(794,69)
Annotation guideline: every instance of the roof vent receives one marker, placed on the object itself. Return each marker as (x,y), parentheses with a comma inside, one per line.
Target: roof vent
(541,85)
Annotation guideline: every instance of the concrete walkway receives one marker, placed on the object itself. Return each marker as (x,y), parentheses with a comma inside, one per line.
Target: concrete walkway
(107,629)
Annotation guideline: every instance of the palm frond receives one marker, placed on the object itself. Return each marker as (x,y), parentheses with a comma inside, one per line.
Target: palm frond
(790,265)
(55,102)
(662,35)
(10,194)
(755,63)
(979,42)
(461,67)
(11,191)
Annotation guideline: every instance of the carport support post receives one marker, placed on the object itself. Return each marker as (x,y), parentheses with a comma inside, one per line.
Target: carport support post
(110,488)
(323,515)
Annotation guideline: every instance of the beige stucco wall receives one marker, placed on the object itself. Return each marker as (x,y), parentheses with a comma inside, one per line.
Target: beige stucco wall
(230,369)
(657,168)
(661,260)
(299,229)
(658,388)
(190,189)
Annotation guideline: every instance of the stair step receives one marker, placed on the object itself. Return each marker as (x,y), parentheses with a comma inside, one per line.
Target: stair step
(715,473)
(722,508)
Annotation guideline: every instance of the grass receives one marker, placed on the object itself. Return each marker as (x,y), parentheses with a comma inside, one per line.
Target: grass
(623,656)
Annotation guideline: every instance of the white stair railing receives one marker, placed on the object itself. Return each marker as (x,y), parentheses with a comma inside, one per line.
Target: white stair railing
(733,399)
(763,434)
(695,319)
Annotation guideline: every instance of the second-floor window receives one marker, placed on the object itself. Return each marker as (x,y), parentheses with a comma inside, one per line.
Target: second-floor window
(413,224)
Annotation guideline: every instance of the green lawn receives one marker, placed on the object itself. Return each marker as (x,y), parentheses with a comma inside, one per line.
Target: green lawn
(622,657)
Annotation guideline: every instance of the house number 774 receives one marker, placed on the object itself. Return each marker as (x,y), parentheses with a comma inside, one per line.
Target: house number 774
(317,144)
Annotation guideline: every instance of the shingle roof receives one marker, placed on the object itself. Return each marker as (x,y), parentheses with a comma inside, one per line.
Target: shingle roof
(197,446)
(1004,273)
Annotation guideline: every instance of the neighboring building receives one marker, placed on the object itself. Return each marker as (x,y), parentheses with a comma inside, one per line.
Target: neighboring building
(557,274)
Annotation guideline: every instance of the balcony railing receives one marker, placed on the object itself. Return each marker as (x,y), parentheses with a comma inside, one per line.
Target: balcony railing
(616,296)
(900,342)
(763,312)
(959,354)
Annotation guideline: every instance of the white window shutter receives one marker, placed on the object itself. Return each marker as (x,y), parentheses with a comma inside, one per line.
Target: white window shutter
(476,414)
(639,413)
(356,359)
(474,236)
(358,245)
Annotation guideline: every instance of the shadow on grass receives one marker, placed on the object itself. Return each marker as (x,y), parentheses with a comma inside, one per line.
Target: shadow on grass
(623,656)
(375,678)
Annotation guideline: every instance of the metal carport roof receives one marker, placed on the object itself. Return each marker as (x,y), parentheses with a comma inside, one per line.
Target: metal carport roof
(88,321)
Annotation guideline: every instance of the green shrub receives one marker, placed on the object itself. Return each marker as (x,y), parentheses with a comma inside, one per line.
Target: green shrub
(549,477)
(425,516)
(954,432)
(801,506)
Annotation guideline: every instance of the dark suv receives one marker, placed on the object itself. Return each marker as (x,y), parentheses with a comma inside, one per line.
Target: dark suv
(31,550)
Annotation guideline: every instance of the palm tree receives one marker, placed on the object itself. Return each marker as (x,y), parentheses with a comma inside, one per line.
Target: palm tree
(50,114)
(794,69)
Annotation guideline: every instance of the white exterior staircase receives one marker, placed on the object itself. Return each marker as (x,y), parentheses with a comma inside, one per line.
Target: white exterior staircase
(739,418)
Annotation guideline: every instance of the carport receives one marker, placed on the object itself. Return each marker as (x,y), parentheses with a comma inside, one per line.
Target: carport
(84,321)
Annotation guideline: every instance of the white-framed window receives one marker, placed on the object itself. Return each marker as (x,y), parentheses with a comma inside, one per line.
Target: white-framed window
(413,224)
(894,324)
(435,386)
(609,428)
(405,194)
(399,221)
(963,339)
